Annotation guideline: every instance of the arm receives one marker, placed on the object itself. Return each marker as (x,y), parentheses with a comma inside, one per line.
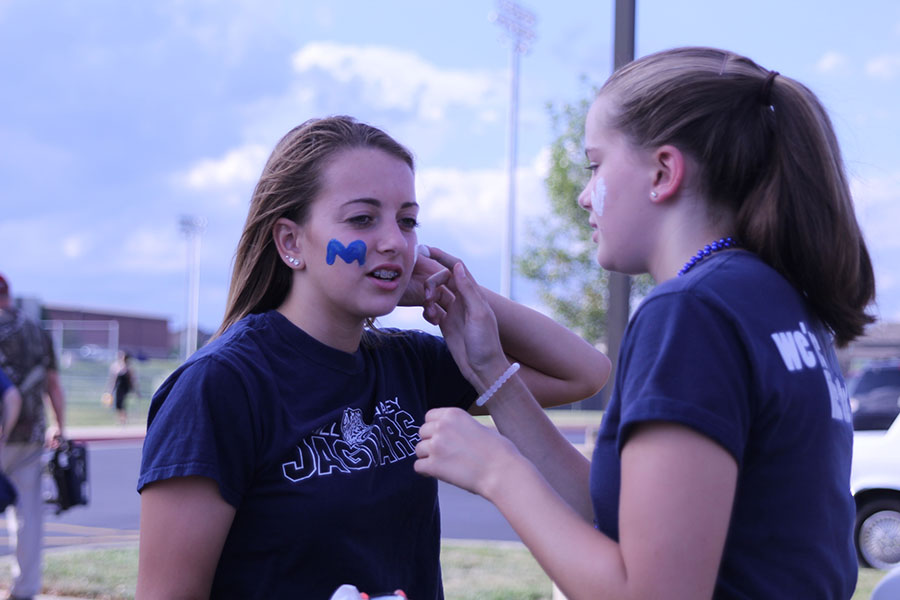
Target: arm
(184,523)
(471,332)
(57,404)
(12,405)
(558,366)
(111,377)
(677,491)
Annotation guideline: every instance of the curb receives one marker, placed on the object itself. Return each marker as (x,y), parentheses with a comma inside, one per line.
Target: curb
(107,433)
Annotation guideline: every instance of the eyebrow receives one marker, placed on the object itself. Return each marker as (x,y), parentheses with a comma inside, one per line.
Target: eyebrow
(376,202)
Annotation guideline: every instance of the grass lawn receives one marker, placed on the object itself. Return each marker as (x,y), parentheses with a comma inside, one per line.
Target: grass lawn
(482,571)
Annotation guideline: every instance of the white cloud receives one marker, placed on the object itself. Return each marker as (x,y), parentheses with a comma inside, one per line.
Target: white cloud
(466,210)
(886,66)
(832,61)
(394,79)
(152,250)
(878,209)
(238,167)
(73,246)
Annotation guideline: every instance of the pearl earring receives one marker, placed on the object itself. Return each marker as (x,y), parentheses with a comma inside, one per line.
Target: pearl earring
(654,195)
(294,262)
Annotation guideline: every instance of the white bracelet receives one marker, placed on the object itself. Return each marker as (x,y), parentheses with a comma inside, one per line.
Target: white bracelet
(496,385)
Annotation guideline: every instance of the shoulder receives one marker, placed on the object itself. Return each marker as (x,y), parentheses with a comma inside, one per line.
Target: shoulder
(738,284)
(223,361)
(242,342)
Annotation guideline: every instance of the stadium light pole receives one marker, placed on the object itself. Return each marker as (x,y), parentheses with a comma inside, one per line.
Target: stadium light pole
(192,228)
(518,24)
(619,283)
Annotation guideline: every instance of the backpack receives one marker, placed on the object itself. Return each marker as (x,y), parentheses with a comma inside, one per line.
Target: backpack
(69,470)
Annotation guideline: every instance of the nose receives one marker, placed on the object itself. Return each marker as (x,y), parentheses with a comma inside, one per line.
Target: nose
(584,198)
(393,239)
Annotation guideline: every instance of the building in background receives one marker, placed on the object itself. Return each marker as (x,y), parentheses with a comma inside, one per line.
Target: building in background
(89,334)
(882,340)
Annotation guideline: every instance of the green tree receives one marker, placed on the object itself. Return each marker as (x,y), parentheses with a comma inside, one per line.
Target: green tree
(560,256)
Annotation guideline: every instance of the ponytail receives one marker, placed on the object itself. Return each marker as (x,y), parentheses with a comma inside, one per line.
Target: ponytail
(800,219)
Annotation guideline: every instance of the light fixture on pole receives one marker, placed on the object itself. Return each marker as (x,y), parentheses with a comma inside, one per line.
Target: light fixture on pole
(192,228)
(518,23)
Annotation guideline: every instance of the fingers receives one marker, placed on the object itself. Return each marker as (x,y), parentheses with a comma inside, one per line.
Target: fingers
(448,260)
(427,432)
(470,291)
(436,280)
(434,419)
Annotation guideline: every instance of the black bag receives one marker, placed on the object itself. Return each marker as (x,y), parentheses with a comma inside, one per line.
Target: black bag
(69,470)
(8,494)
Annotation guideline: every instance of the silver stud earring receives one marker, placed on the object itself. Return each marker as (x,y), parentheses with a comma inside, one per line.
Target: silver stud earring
(294,262)
(654,195)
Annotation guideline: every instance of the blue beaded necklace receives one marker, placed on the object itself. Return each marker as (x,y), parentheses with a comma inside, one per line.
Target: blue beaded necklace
(720,244)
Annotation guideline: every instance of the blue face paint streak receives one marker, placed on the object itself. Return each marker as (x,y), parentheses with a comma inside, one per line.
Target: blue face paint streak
(355,251)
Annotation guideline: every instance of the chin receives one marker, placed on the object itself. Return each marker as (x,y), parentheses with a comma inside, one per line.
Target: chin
(604,261)
(380,310)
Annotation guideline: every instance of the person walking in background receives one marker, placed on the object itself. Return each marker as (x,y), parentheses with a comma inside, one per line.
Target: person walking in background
(722,464)
(278,458)
(122,381)
(28,358)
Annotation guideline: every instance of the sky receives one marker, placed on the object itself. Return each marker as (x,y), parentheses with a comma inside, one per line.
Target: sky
(118,118)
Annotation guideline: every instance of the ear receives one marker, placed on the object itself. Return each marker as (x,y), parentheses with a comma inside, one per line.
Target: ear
(668,173)
(288,239)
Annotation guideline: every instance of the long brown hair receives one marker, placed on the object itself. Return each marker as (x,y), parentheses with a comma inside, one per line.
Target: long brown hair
(290,182)
(768,154)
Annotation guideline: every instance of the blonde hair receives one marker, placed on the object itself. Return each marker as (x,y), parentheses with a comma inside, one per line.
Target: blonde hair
(768,155)
(290,182)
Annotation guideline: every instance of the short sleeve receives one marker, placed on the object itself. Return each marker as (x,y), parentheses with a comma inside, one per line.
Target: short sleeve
(5,384)
(685,363)
(200,428)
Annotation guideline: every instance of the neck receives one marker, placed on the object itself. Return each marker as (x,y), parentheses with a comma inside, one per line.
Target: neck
(321,326)
(682,239)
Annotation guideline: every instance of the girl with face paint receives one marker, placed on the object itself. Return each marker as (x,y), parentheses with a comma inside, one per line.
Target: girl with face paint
(721,468)
(278,461)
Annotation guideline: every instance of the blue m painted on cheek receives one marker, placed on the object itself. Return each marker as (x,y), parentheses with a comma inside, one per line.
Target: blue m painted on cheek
(355,251)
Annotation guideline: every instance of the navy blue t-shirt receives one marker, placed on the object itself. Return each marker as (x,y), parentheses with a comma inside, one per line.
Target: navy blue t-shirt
(314,448)
(5,383)
(731,350)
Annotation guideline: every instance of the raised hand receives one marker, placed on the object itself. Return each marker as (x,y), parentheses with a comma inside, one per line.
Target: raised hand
(453,300)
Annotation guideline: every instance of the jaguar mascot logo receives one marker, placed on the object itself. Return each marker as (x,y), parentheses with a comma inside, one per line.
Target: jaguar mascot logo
(353,428)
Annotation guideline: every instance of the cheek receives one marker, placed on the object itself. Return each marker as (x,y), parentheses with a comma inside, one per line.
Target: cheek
(355,251)
(598,196)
